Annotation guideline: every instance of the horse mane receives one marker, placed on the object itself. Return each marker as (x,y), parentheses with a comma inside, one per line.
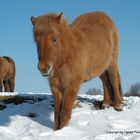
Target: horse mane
(46,21)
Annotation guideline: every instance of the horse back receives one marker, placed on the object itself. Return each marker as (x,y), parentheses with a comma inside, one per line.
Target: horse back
(93,19)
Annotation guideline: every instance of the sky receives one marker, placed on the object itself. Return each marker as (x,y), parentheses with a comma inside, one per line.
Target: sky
(16,38)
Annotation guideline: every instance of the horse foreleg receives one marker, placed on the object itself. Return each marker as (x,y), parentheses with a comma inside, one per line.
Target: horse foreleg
(67,105)
(57,104)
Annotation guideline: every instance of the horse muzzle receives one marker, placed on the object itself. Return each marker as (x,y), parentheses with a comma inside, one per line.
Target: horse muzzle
(47,71)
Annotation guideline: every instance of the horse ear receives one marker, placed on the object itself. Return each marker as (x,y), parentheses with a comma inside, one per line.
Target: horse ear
(60,17)
(33,20)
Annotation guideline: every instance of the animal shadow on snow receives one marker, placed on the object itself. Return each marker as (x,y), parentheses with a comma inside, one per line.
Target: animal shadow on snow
(37,107)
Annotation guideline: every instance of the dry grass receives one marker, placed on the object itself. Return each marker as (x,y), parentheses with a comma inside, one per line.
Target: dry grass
(13,99)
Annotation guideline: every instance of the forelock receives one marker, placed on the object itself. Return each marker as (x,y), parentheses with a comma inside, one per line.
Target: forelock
(44,23)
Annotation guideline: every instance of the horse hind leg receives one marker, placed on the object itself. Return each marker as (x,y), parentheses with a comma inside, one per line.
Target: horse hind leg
(0,86)
(120,87)
(116,85)
(6,86)
(12,84)
(108,98)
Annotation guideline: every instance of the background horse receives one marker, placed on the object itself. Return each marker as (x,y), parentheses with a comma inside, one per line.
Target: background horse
(72,54)
(7,74)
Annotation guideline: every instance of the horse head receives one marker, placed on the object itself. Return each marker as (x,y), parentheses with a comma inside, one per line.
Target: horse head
(46,30)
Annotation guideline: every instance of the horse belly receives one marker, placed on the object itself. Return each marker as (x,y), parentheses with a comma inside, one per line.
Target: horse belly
(98,61)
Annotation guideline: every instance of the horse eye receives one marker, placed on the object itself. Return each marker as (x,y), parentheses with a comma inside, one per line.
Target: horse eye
(54,40)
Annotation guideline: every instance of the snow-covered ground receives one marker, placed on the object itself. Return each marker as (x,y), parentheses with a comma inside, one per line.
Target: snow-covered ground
(33,120)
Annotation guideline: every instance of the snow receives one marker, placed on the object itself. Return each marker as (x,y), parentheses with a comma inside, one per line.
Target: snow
(33,120)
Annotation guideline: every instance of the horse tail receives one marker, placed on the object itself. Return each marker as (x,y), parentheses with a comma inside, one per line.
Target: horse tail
(11,61)
(110,88)
(111,91)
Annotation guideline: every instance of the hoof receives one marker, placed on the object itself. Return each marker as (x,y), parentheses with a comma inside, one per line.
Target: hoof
(105,106)
(122,102)
(118,108)
(56,129)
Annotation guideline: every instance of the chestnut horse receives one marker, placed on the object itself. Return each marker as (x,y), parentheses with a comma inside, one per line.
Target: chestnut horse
(7,74)
(72,54)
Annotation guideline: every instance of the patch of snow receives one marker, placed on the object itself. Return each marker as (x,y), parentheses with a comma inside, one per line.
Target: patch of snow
(34,120)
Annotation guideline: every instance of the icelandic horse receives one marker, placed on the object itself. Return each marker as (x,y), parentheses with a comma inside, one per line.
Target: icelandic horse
(7,74)
(70,54)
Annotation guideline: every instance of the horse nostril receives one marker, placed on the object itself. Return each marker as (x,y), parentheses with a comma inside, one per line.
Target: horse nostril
(41,68)
(48,67)
(45,70)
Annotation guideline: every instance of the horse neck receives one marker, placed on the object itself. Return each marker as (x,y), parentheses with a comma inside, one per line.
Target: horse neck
(68,42)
